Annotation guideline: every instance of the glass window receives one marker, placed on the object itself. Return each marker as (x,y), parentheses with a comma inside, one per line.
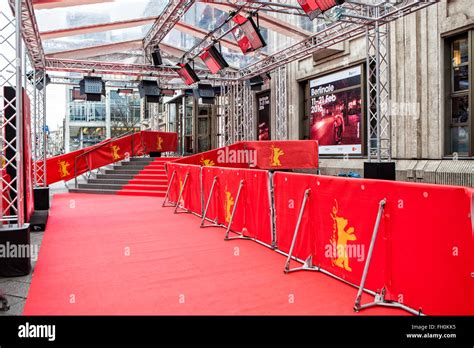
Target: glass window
(459,119)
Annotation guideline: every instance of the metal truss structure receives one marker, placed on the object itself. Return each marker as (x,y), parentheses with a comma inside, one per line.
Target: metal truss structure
(281,93)
(34,84)
(174,10)
(378,93)
(11,113)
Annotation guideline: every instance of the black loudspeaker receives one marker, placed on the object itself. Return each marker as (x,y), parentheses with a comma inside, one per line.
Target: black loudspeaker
(15,251)
(149,89)
(41,197)
(155,154)
(38,220)
(156,57)
(382,170)
(92,87)
(205,92)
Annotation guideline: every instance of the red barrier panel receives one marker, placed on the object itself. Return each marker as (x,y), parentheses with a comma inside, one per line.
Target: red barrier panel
(423,254)
(106,152)
(159,141)
(260,155)
(286,154)
(191,197)
(253,214)
(337,224)
(233,156)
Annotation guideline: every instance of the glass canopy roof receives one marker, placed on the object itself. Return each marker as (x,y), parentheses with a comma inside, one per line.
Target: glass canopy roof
(113,30)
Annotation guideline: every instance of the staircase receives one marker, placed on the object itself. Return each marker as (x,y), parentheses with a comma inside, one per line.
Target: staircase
(140,176)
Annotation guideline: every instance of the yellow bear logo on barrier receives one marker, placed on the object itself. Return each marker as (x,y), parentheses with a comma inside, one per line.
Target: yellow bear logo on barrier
(63,165)
(115,149)
(207,162)
(229,202)
(275,156)
(341,235)
(159,142)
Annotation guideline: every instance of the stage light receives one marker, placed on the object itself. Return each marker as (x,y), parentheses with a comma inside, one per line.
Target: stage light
(257,82)
(150,91)
(314,8)
(247,34)
(205,92)
(92,87)
(156,58)
(213,59)
(187,74)
(40,84)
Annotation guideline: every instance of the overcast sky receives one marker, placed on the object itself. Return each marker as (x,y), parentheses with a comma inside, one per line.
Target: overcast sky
(55,106)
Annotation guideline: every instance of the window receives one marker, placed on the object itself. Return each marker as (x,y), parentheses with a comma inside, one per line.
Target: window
(458,107)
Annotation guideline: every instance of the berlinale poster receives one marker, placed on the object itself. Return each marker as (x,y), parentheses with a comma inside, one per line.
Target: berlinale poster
(336,112)
(264,116)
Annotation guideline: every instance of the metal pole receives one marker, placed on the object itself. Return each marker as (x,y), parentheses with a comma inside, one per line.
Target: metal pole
(169,188)
(45,135)
(19,114)
(297,228)
(208,201)
(181,192)
(369,255)
(234,210)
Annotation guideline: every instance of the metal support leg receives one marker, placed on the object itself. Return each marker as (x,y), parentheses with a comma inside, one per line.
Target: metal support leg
(181,194)
(4,307)
(215,224)
(165,202)
(379,298)
(233,215)
(308,265)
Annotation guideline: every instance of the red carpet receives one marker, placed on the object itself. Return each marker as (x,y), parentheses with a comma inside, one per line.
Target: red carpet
(174,267)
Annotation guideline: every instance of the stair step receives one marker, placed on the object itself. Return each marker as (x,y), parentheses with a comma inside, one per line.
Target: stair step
(151,177)
(101,186)
(101,192)
(135,164)
(145,187)
(142,159)
(141,193)
(128,167)
(153,171)
(148,182)
(128,172)
(115,176)
(109,181)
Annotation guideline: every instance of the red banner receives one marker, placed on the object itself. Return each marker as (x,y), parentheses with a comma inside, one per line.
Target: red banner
(260,155)
(159,141)
(62,167)
(292,154)
(423,254)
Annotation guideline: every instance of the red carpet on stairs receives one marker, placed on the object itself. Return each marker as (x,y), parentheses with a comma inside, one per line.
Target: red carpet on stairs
(127,255)
(151,181)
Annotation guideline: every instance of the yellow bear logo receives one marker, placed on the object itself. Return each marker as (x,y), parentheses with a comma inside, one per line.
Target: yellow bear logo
(341,235)
(63,165)
(207,162)
(115,149)
(275,156)
(159,142)
(229,202)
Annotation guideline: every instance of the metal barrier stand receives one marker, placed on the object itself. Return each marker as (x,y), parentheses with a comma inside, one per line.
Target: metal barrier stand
(215,223)
(166,201)
(181,195)
(308,264)
(240,235)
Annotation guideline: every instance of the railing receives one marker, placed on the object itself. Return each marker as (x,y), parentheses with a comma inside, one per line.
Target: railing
(96,148)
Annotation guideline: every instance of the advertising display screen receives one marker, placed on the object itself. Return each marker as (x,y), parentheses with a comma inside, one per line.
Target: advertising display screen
(336,112)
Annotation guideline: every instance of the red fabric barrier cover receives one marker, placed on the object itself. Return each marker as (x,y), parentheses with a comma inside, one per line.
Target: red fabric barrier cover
(337,224)
(260,155)
(290,154)
(423,255)
(191,198)
(252,217)
(159,141)
(62,167)
(232,156)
